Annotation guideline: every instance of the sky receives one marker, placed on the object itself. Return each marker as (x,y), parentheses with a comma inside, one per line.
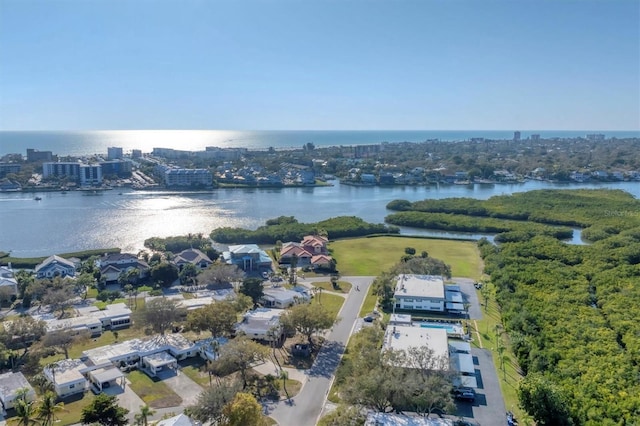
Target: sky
(320,64)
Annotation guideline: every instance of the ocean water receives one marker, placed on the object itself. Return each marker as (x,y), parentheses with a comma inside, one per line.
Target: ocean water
(96,142)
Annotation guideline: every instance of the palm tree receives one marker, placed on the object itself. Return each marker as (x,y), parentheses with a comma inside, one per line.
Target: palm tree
(47,409)
(25,411)
(142,419)
(284,376)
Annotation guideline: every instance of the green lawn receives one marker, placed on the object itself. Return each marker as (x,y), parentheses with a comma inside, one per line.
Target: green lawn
(155,393)
(73,409)
(343,286)
(369,303)
(331,302)
(371,256)
(195,369)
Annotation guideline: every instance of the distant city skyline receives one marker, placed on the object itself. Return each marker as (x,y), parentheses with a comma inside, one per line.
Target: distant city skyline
(320,65)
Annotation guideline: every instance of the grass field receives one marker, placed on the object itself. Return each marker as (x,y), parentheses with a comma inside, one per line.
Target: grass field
(155,393)
(331,302)
(343,286)
(371,256)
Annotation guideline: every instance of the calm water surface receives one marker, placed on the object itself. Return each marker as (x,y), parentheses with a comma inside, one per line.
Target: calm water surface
(73,221)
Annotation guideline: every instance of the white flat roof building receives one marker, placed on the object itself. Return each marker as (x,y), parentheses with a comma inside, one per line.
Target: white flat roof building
(261,324)
(419,292)
(399,338)
(66,376)
(390,419)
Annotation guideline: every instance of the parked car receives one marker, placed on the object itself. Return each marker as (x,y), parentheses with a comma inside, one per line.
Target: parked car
(464,394)
(368,318)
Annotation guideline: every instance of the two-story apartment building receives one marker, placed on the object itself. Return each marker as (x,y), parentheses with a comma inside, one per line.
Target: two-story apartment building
(420,293)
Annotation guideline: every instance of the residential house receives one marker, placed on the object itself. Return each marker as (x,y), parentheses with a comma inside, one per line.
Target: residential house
(11,386)
(55,266)
(248,257)
(143,353)
(282,298)
(113,265)
(321,261)
(179,420)
(262,324)
(8,280)
(290,250)
(454,300)
(67,377)
(192,256)
(315,244)
(93,320)
(420,293)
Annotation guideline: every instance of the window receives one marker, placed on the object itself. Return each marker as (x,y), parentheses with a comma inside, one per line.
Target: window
(72,386)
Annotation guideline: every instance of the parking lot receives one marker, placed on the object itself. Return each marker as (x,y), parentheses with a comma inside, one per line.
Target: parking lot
(488,407)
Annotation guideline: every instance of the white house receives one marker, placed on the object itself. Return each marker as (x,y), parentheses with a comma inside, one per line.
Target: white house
(282,298)
(179,420)
(94,320)
(66,377)
(11,384)
(55,266)
(262,324)
(8,280)
(420,293)
(141,352)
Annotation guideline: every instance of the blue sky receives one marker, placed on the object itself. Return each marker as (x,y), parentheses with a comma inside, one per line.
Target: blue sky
(323,65)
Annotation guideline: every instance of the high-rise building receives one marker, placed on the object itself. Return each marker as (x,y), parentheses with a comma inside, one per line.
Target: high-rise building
(136,153)
(35,155)
(535,137)
(516,136)
(114,153)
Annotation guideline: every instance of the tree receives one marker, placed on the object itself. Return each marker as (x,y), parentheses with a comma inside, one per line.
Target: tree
(62,340)
(220,274)
(219,318)
(159,314)
(243,410)
(6,293)
(410,251)
(253,288)
(543,401)
(19,334)
(307,319)
(238,355)
(165,273)
(59,299)
(104,410)
(48,408)
(344,415)
(293,266)
(188,272)
(25,409)
(142,418)
(211,402)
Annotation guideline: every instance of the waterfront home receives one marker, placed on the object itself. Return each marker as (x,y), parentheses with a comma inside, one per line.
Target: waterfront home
(315,244)
(420,293)
(8,280)
(262,324)
(192,256)
(282,298)
(290,250)
(55,266)
(248,257)
(113,265)
(11,386)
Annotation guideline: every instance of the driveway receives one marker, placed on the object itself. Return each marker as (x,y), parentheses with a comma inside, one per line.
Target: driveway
(127,398)
(183,386)
(305,408)
(470,295)
(488,408)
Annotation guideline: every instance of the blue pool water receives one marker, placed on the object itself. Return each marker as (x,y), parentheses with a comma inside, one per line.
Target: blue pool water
(450,328)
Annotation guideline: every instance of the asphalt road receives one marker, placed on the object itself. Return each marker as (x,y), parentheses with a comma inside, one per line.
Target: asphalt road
(306,407)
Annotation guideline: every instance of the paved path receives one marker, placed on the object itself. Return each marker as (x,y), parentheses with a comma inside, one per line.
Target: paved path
(184,387)
(305,408)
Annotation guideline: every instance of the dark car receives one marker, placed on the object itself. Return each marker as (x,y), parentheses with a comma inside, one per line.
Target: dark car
(368,318)
(464,394)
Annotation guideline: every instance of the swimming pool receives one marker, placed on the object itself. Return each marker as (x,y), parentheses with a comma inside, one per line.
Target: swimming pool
(451,328)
